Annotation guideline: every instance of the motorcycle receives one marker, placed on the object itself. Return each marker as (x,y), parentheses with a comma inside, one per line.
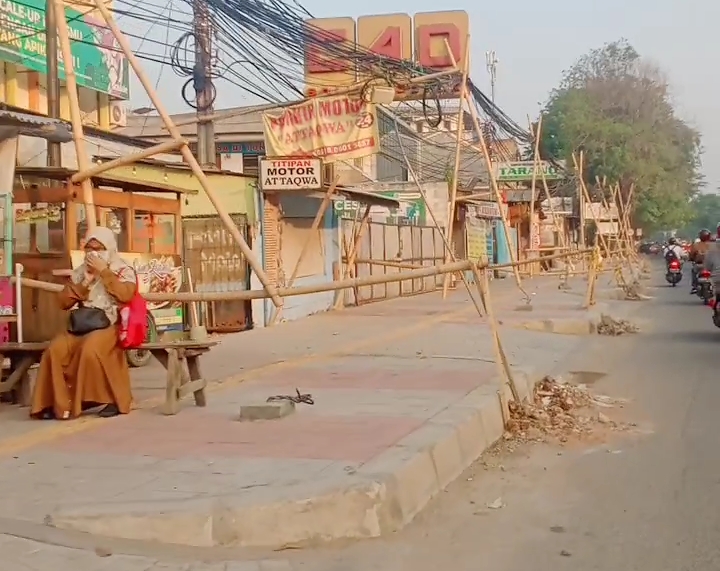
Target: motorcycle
(674,272)
(704,286)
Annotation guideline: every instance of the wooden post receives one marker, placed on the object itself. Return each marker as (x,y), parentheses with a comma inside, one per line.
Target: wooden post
(75,116)
(326,201)
(458,152)
(483,286)
(185,150)
(592,275)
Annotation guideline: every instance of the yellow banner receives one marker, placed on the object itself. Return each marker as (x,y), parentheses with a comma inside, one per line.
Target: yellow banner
(334,128)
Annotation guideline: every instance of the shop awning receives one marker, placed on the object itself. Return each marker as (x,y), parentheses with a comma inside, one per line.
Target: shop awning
(13,123)
(346,193)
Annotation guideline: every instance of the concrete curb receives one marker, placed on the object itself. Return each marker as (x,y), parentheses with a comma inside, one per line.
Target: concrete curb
(390,491)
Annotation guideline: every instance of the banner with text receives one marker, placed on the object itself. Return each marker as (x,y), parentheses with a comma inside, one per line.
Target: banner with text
(332,128)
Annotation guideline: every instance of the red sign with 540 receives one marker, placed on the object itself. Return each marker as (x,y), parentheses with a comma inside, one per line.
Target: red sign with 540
(422,39)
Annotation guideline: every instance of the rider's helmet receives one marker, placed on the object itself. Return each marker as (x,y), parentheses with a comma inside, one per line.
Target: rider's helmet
(704,235)
(672,241)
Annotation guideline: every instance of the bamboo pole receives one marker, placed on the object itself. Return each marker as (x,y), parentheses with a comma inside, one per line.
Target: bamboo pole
(446,240)
(483,287)
(186,153)
(592,276)
(319,215)
(498,200)
(166,147)
(587,199)
(426,271)
(458,154)
(75,116)
(533,184)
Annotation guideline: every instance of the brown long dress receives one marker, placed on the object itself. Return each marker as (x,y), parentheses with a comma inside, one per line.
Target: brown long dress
(89,369)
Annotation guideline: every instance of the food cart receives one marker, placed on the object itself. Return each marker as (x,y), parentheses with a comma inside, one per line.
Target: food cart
(50,227)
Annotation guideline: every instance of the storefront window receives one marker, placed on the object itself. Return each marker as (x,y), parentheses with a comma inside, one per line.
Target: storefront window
(153,233)
(113,218)
(39,227)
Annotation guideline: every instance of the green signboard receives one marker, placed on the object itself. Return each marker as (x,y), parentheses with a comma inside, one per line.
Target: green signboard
(412,208)
(98,61)
(522,171)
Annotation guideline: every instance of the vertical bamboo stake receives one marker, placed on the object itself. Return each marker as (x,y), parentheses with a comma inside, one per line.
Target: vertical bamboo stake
(586,196)
(533,184)
(186,153)
(319,215)
(592,275)
(352,255)
(483,287)
(75,116)
(458,153)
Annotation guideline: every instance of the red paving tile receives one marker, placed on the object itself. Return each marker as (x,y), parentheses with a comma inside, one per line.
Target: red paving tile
(187,435)
(372,379)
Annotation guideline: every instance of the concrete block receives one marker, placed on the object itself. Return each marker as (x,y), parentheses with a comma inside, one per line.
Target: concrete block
(266,410)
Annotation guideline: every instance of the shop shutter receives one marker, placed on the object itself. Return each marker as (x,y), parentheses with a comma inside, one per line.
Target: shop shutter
(271,236)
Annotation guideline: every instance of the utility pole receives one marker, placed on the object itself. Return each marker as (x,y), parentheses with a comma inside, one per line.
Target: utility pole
(491,62)
(54,153)
(204,91)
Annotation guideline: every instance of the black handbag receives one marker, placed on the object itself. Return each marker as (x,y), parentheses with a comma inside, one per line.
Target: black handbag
(84,320)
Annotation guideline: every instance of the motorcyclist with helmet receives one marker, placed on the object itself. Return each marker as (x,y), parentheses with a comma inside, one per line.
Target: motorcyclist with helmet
(697,255)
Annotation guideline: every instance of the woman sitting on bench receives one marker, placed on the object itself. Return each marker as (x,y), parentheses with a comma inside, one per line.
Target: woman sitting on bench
(84,367)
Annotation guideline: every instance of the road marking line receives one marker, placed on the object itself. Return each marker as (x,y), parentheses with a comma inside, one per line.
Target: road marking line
(59,429)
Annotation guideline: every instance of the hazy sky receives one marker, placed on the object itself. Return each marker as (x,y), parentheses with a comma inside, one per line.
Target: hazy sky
(536,41)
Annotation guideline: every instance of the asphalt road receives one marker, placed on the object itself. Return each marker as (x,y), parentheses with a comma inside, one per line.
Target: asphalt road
(646,501)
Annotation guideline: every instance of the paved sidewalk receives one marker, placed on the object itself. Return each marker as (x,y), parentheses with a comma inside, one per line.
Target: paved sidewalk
(406,397)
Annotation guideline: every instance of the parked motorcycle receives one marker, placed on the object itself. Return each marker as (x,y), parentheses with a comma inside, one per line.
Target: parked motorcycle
(674,272)
(704,286)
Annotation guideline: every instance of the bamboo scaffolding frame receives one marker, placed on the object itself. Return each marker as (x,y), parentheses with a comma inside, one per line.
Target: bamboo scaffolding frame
(447,240)
(458,154)
(75,115)
(491,174)
(175,134)
(426,271)
(314,227)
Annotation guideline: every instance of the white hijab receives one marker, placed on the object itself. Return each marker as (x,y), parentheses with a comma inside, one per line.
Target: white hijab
(98,295)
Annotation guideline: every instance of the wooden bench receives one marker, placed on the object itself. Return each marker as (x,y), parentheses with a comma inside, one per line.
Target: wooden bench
(181,360)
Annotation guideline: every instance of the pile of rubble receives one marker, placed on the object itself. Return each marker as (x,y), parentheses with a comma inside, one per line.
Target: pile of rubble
(614,327)
(558,411)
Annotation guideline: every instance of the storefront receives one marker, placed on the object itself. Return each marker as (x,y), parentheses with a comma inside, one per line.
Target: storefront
(50,226)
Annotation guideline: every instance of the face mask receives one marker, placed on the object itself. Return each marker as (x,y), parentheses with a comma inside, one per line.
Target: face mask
(102,254)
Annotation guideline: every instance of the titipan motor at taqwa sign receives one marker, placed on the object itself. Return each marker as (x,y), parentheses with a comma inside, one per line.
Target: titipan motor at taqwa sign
(290,174)
(99,63)
(334,128)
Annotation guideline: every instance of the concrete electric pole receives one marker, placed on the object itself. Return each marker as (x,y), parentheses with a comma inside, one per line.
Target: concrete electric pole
(204,89)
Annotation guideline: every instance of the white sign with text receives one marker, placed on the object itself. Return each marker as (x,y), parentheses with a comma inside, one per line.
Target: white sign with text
(291,174)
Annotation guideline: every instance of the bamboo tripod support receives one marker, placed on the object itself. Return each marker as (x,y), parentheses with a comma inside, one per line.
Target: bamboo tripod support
(458,154)
(447,239)
(357,234)
(176,136)
(75,116)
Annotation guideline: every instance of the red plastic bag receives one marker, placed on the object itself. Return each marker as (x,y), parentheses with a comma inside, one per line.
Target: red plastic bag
(133,322)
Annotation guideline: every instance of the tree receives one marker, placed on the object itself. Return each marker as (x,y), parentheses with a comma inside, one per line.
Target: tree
(616,108)
(705,210)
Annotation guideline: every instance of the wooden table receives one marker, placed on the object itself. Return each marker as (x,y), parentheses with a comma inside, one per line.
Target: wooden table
(181,360)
